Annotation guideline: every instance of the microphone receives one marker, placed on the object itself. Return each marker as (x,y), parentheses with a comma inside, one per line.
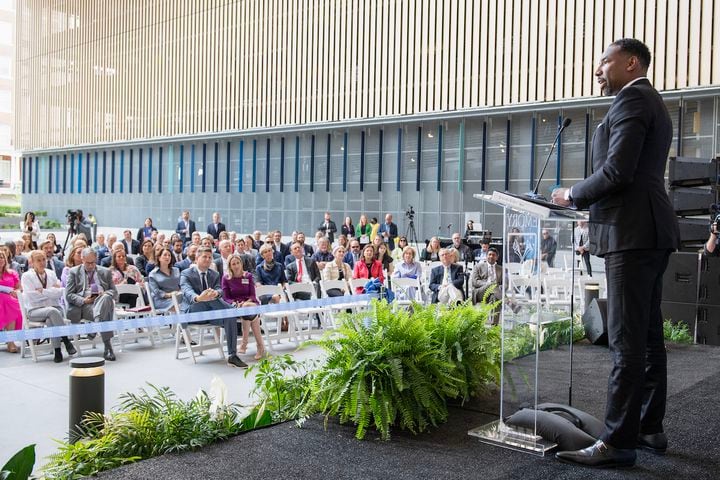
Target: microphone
(449,226)
(534,193)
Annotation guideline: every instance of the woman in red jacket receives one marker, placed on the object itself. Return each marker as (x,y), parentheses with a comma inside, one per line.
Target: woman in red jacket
(368,267)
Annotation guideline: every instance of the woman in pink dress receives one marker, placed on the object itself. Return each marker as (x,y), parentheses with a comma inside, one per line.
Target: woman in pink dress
(10,316)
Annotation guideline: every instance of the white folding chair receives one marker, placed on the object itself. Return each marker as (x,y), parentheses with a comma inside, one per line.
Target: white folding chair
(32,345)
(343,286)
(123,314)
(557,292)
(306,313)
(168,330)
(406,290)
(198,330)
(275,319)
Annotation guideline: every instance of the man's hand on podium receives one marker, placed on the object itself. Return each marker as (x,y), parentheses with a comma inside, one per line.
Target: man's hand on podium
(561,196)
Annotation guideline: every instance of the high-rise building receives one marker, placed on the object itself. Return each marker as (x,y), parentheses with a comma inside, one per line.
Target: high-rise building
(272,112)
(9,160)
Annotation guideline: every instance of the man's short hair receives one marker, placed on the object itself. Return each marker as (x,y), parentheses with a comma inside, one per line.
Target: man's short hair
(86,252)
(493,250)
(42,245)
(202,250)
(635,47)
(37,254)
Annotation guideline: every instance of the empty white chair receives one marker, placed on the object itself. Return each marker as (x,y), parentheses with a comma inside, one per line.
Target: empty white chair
(123,314)
(406,290)
(275,319)
(306,313)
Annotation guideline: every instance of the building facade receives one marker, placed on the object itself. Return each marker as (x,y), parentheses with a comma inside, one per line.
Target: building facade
(272,112)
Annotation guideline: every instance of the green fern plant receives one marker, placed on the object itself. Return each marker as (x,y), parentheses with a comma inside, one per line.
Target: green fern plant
(676,332)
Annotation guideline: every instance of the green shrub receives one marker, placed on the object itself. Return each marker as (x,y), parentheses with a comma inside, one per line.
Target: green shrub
(677,332)
(146,425)
(41,213)
(51,224)
(5,209)
(20,465)
(387,368)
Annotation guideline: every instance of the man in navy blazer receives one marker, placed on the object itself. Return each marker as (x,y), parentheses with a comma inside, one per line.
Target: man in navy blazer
(633,226)
(51,260)
(388,231)
(201,292)
(185,227)
(456,278)
(216,226)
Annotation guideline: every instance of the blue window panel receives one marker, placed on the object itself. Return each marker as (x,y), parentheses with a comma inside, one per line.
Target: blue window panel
(241,169)
(182,168)
(104,175)
(297,164)
(438,180)
(192,168)
(461,157)
(50,172)
(327,164)
(380,160)
(24,175)
(533,136)
(484,157)
(72,173)
(312,163)
(150,162)
(87,172)
(267,165)
(215,172)
(362,161)
(37,171)
(95,180)
(282,164)
(345,161)
(419,159)
(399,160)
(122,171)
(57,173)
(227,167)
(112,171)
(64,172)
(507,155)
(254,166)
(140,169)
(160,169)
(204,167)
(170,169)
(130,171)
(558,151)
(80,173)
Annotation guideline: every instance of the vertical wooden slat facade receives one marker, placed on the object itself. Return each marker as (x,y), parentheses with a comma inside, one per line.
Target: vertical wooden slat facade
(91,72)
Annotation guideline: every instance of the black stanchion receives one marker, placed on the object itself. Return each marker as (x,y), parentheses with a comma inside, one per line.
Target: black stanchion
(87,391)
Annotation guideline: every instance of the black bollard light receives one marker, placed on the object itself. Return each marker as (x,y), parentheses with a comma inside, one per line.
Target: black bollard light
(592,292)
(87,391)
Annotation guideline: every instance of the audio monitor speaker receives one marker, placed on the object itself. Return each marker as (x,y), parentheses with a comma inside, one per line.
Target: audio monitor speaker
(595,322)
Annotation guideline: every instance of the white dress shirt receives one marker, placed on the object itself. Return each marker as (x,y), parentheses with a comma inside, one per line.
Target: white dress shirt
(35,295)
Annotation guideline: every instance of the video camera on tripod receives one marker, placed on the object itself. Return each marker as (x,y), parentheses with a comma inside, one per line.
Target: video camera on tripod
(714,218)
(72,217)
(410,213)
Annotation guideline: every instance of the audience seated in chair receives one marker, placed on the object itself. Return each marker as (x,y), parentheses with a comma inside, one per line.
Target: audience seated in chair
(239,290)
(487,279)
(164,282)
(447,280)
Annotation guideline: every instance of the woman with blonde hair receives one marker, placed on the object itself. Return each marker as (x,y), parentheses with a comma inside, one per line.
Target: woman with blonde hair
(431,253)
(239,290)
(73,259)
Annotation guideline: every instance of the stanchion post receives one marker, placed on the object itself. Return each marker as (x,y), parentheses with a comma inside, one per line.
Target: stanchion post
(592,292)
(87,391)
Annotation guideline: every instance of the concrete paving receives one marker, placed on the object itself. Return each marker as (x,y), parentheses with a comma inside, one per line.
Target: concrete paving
(34,399)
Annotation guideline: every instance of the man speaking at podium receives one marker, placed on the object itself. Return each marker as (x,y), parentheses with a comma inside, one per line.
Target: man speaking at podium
(632,225)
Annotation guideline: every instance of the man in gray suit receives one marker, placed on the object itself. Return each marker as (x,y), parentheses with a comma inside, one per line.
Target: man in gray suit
(201,292)
(486,276)
(90,295)
(633,226)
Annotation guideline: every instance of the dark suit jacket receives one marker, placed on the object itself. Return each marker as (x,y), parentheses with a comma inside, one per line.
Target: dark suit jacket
(436,279)
(105,262)
(291,270)
(181,227)
(212,231)
(58,266)
(284,250)
(191,285)
(134,246)
(392,233)
(629,208)
(329,230)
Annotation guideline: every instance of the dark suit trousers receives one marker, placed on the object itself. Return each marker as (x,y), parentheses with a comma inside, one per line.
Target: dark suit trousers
(230,323)
(637,386)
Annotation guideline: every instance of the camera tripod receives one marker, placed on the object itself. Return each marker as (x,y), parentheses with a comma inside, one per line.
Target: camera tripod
(410,233)
(70,233)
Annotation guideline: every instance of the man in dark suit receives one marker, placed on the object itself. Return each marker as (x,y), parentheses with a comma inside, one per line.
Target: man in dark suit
(225,248)
(189,259)
(388,231)
(632,225)
(278,246)
(302,270)
(52,262)
(132,246)
(216,226)
(201,292)
(328,228)
(446,280)
(185,227)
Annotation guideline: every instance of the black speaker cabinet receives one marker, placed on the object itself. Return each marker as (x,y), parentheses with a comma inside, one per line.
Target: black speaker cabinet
(681,277)
(708,324)
(680,312)
(693,172)
(694,230)
(692,201)
(709,292)
(595,322)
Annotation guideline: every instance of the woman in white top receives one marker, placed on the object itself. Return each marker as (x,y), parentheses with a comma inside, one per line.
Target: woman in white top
(31,227)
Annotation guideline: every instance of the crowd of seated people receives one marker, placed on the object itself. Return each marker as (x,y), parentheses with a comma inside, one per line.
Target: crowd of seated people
(87,273)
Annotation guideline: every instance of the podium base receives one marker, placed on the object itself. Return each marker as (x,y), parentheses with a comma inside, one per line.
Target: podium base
(521,440)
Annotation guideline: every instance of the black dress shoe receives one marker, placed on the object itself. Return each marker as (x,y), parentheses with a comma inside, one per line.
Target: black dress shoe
(58,358)
(234,361)
(599,455)
(69,347)
(653,442)
(109,355)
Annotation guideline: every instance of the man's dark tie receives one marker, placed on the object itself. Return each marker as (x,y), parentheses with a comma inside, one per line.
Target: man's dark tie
(49,265)
(203,281)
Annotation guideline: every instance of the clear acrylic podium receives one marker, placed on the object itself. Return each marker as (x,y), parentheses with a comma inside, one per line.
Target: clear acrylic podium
(536,316)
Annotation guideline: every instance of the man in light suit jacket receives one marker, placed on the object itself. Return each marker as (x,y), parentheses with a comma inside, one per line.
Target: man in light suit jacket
(488,275)
(302,270)
(446,280)
(185,227)
(90,295)
(201,292)
(216,226)
(633,226)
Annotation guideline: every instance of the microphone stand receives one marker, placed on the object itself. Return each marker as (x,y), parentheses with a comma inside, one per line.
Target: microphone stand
(534,194)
